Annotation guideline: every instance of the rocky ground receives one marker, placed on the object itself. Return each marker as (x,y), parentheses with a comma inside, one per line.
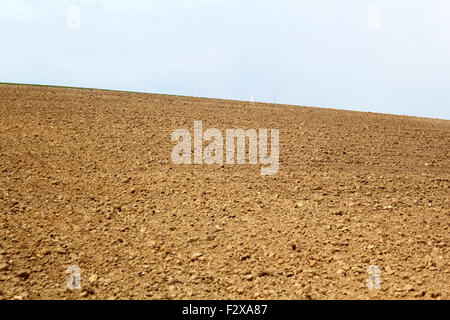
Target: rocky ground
(86,179)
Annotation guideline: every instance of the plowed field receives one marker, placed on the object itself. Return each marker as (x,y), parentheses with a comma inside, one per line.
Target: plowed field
(87,180)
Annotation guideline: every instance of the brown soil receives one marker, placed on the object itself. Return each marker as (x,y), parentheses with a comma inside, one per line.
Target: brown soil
(86,179)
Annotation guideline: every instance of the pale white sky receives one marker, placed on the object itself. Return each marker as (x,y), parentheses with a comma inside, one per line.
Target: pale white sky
(338,54)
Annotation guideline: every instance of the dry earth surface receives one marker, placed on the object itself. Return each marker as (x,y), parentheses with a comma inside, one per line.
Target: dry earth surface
(86,179)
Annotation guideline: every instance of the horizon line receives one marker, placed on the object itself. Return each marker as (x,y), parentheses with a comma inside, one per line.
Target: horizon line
(213,98)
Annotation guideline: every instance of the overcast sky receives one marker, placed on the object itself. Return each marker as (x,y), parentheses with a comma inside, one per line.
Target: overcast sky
(388,56)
